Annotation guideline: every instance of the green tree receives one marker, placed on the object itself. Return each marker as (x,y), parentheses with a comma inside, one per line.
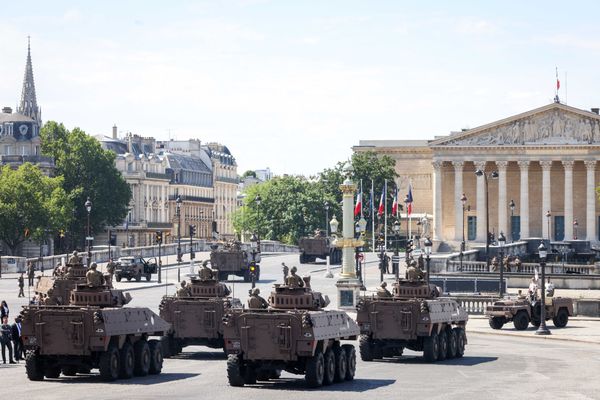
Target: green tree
(249,173)
(31,202)
(88,171)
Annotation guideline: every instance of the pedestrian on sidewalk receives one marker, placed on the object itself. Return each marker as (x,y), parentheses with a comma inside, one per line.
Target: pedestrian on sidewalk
(21,285)
(17,339)
(4,311)
(30,272)
(6,341)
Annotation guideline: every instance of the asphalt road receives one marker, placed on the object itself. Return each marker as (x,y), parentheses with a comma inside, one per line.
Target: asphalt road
(494,367)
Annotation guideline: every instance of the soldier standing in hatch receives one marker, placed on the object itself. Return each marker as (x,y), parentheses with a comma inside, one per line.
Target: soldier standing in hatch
(255,301)
(382,291)
(286,271)
(183,291)
(30,272)
(413,273)
(205,273)
(94,277)
(21,281)
(294,281)
(74,259)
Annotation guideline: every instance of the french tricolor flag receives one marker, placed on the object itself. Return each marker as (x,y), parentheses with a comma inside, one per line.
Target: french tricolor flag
(409,201)
(358,205)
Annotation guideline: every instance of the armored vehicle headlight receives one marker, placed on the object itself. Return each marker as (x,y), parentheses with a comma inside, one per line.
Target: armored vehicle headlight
(98,317)
(424,307)
(306,321)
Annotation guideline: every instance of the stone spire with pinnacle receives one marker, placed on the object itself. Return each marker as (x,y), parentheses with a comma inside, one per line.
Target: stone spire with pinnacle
(28,104)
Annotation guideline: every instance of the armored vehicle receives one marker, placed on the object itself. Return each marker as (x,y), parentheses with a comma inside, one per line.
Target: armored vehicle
(56,289)
(318,246)
(293,334)
(134,268)
(93,331)
(522,311)
(231,259)
(196,316)
(413,317)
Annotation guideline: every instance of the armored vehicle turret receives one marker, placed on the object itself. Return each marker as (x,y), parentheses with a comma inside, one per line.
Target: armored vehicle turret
(318,246)
(294,333)
(231,259)
(56,289)
(196,313)
(523,310)
(411,317)
(94,330)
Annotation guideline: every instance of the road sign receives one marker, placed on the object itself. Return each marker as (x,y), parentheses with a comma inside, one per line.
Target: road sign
(89,238)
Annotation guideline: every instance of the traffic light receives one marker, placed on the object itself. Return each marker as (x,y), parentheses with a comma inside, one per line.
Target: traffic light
(159,237)
(61,233)
(192,230)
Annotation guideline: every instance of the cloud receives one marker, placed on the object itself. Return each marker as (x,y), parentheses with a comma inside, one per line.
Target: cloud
(475,26)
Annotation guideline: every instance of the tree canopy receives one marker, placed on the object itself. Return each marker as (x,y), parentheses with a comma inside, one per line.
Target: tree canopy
(31,204)
(88,171)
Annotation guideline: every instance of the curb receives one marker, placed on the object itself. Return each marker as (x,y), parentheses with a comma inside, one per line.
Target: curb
(549,337)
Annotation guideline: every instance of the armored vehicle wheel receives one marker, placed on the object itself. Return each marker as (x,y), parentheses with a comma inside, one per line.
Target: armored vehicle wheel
(535,322)
(461,341)
(126,361)
(365,347)
(33,367)
(70,370)
(443,341)
(52,372)
(118,278)
(156,357)
(496,322)
(128,279)
(142,358)
(234,370)
(109,364)
(138,277)
(561,319)
(148,277)
(329,360)
(431,347)
(452,343)
(521,320)
(341,364)
(315,370)
(165,344)
(351,360)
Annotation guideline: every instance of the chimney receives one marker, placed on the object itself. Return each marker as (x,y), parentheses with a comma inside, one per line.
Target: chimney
(114,131)
(596,110)
(7,110)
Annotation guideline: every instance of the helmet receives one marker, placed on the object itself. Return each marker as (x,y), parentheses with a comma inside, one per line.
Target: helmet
(205,263)
(294,269)
(383,284)
(182,283)
(93,265)
(256,291)
(74,252)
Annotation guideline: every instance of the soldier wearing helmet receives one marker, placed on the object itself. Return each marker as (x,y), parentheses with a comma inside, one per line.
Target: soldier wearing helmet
(255,301)
(294,281)
(205,273)
(413,273)
(183,291)
(74,259)
(94,277)
(382,290)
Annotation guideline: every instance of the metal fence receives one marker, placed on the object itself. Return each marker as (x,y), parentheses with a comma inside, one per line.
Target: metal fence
(526,268)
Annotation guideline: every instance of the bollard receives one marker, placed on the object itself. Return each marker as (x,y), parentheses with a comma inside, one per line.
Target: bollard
(328,274)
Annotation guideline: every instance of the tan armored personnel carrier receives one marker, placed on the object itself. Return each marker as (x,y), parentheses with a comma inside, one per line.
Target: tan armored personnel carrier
(196,318)
(56,289)
(318,246)
(93,331)
(412,317)
(231,259)
(294,334)
(522,311)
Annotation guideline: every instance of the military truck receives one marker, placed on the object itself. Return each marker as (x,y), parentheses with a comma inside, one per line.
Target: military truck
(231,259)
(522,311)
(413,317)
(93,331)
(318,246)
(197,318)
(134,268)
(294,334)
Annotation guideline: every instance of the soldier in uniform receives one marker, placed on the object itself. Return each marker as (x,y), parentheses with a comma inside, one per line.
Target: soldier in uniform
(21,285)
(57,270)
(413,273)
(495,264)
(382,290)
(183,291)
(518,264)
(286,271)
(205,273)
(294,281)
(255,301)
(94,277)
(74,259)
(30,272)
(421,262)
(110,267)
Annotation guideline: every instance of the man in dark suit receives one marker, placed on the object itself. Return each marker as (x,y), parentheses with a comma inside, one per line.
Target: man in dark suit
(17,339)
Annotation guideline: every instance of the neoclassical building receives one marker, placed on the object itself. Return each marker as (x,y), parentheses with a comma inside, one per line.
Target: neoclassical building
(540,161)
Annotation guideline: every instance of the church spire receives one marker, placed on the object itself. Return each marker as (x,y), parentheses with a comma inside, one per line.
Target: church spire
(28,104)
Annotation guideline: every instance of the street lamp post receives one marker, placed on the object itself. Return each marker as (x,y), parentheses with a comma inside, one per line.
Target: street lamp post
(463,200)
(428,244)
(178,214)
(548,216)
(575,225)
(511,205)
(396,263)
(493,175)
(361,229)
(326,206)
(501,243)
(258,200)
(543,330)
(88,207)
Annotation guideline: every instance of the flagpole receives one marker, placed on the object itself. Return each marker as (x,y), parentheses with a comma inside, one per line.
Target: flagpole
(385,213)
(372,216)
(361,199)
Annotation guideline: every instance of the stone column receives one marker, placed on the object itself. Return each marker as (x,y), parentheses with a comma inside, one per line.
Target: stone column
(458,191)
(524,206)
(502,203)
(481,211)
(568,166)
(437,200)
(590,214)
(546,200)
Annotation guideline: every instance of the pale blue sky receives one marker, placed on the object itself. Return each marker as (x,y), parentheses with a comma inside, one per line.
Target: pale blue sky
(292,85)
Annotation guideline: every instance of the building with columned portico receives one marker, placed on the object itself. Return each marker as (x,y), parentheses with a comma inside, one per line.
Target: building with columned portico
(545,159)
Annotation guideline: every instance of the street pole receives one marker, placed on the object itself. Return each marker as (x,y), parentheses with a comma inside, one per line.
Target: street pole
(159,260)
(543,330)
(178,213)
(501,243)
(493,174)
(109,238)
(463,200)
(326,205)
(428,245)
(88,206)
(511,204)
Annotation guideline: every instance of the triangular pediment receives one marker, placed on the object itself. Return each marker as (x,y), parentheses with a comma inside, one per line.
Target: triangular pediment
(554,124)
